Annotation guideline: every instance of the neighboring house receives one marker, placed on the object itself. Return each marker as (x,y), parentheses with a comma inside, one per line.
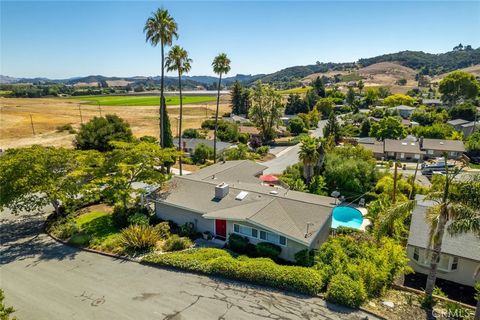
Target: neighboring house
(413,149)
(460,257)
(464,126)
(229,198)
(189,145)
(469,128)
(252,131)
(437,147)
(432,102)
(457,123)
(403,149)
(236,118)
(373,145)
(404,111)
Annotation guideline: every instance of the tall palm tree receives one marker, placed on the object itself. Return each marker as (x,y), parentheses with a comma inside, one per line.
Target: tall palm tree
(458,205)
(308,153)
(161,28)
(178,60)
(221,66)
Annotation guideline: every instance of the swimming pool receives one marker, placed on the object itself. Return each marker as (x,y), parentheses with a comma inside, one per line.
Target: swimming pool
(344,216)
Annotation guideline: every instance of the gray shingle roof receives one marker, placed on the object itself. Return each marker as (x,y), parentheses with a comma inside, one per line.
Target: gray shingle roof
(192,143)
(443,145)
(455,122)
(285,212)
(464,245)
(405,146)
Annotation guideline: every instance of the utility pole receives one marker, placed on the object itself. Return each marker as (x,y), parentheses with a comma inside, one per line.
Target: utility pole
(413,180)
(394,182)
(99,108)
(80,110)
(31,122)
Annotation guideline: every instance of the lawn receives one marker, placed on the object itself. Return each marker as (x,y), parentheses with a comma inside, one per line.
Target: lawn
(141,100)
(97,231)
(474,165)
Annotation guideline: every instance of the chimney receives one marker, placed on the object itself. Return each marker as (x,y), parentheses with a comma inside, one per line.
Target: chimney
(420,142)
(221,190)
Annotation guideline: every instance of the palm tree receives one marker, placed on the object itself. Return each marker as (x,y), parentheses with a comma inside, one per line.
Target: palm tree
(458,203)
(221,65)
(161,28)
(308,153)
(178,60)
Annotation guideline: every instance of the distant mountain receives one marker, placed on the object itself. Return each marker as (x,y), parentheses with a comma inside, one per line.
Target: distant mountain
(427,63)
(430,64)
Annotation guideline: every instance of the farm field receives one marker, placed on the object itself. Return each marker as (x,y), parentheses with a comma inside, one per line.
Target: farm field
(141,100)
(48,114)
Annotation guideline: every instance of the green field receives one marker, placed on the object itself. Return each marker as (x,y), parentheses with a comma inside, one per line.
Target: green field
(295,90)
(141,100)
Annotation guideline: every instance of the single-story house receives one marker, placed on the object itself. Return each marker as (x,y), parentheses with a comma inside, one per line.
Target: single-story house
(437,147)
(403,149)
(229,198)
(189,145)
(457,123)
(470,127)
(236,118)
(413,149)
(373,145)
(460,257)
(252,131)
(432,102)
(404,111)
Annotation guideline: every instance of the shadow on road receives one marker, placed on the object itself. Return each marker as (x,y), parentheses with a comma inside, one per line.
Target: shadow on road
(22,237)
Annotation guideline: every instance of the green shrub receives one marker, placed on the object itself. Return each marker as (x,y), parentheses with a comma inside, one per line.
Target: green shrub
(120,215)
(305,257)
(5,310)
(344,290)
(191,133)
(176,243)
(188,230)
(243,138)
(163,229)
(456,311)
(263,150)
(138,219)
(268,250)
(80,239)
(238,243)
(257,270)
(66,127)
(202,153)
(139,237)
(64,228)
(113,244)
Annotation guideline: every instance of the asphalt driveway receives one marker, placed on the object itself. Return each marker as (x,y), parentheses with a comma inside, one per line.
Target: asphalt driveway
(43,279)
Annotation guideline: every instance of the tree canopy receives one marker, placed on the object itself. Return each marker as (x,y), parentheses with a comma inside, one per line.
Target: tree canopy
(458,86)
(98,133)
(398,99)
(388,128)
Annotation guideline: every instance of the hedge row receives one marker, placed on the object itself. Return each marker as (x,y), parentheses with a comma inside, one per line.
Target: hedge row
(257,270)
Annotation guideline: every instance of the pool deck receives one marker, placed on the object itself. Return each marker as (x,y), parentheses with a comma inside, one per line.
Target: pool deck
(366,222)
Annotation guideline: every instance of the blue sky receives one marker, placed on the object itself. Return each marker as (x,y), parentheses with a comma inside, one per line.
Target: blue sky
(61,39)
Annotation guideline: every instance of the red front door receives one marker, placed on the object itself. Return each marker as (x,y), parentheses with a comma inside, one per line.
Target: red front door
(221,228)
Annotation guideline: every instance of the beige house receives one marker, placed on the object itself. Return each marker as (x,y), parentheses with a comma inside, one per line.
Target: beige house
(413,149)
(460,257)
(228,198)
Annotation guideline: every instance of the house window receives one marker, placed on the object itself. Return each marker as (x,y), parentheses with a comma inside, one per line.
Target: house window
(455,263)
(415,254)
(244,230)
(263,235)
(430,151)
(444,262)
(453,154)
(283,240)
(417,156)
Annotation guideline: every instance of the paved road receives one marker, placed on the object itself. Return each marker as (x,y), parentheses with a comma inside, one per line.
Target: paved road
(290,155)
(46,280)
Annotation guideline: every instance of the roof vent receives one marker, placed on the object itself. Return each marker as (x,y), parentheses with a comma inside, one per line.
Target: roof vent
(441,142)
(241,195)
(273,192)
(404,143)
(221,190)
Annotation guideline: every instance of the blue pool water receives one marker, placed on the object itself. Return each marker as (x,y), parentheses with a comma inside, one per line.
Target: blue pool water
(346,217)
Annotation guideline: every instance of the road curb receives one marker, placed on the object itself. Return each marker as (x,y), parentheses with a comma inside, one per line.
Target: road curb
(106,254)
